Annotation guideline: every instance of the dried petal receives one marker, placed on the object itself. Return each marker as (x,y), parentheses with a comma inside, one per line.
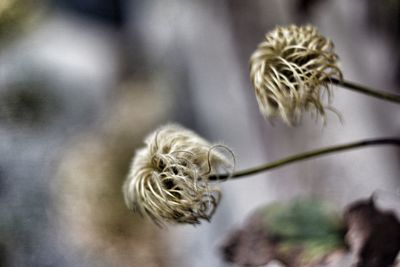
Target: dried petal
(372,234)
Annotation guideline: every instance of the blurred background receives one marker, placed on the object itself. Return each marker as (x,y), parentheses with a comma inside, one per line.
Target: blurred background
(83,81)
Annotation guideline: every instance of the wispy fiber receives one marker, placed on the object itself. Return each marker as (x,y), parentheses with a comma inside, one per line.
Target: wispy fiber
(168,180)
(290,70)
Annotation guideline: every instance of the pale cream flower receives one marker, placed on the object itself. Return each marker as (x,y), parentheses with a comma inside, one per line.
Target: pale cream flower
(290,70)
(168,179)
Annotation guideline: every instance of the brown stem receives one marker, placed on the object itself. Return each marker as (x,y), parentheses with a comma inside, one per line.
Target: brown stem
(368,91)
(307,155)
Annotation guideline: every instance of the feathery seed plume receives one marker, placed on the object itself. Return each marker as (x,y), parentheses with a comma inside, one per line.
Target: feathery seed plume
(168,179)
(290,70)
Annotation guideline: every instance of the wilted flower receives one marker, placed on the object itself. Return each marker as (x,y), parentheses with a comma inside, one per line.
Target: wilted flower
(168,179)
(290,70)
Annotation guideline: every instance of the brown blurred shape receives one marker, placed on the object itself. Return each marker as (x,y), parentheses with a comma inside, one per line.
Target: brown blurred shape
(92,216)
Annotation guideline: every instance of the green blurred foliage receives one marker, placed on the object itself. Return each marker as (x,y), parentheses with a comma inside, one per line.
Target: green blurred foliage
(308,225)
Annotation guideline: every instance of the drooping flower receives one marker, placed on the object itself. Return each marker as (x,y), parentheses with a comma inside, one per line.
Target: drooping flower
(290,70)
(168,179)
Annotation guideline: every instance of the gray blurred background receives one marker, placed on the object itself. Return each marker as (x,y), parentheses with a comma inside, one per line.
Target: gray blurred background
(83,81)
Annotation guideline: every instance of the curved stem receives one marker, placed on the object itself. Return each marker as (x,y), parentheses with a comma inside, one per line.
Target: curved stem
(368,91)
(307,155)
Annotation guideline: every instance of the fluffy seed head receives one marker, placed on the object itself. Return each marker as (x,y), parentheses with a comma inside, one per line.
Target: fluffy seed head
(290,70)
(168,179)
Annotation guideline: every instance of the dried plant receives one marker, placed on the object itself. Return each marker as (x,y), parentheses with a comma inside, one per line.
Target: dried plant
(168,179)
(290,70)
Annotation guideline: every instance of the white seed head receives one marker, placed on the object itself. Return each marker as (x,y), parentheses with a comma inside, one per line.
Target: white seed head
(290,70)
(168,179)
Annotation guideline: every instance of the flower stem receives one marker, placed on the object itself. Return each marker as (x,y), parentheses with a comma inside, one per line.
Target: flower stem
(307,155)
(366,90)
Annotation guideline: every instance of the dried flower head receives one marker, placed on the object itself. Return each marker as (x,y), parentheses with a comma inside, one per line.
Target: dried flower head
(290,70)
(168,179)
